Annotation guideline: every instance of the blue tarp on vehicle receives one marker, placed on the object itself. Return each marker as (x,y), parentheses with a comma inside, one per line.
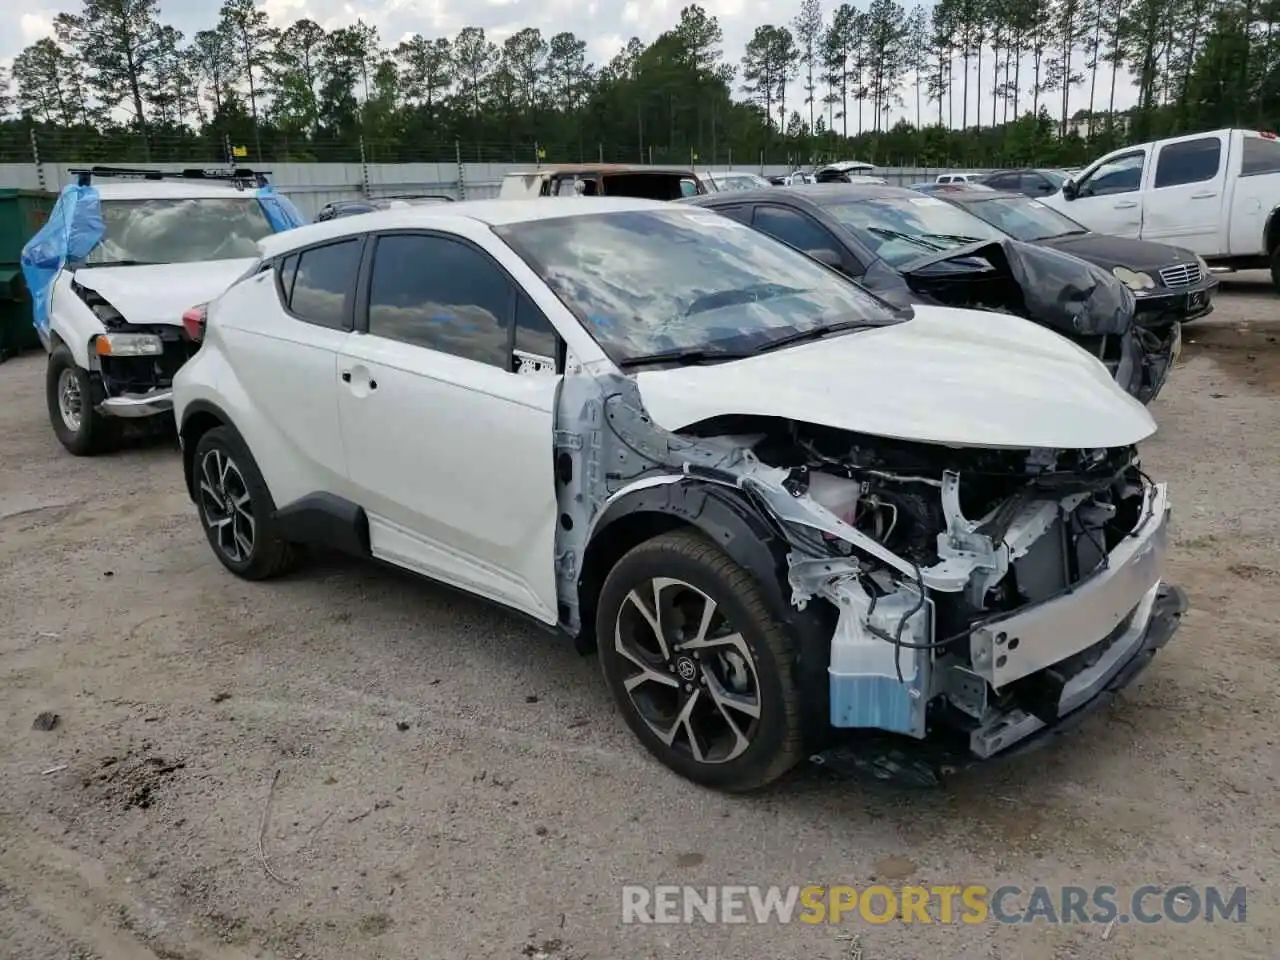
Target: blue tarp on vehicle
(73,229)
(280,211)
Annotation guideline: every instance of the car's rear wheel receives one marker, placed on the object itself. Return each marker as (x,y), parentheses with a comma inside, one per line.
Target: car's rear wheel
(1275,267)
(701,670)
(236,508)
(73,400)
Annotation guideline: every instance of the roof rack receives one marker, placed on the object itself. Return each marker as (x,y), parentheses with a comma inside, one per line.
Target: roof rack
(239,176)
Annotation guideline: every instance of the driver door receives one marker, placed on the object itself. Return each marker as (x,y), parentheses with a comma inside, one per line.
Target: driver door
(447,402)
(1109,197)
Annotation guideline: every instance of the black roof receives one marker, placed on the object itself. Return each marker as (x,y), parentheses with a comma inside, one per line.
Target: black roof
(814,194)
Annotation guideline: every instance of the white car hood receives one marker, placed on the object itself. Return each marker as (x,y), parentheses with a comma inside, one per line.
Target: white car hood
(161,293)
(956,377)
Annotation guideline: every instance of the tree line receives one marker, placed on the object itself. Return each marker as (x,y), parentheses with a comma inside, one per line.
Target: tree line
(972,82)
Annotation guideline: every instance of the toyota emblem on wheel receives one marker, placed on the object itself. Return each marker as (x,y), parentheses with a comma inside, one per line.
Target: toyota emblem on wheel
(686,668)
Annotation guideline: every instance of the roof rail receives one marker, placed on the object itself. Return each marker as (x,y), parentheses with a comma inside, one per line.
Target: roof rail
(239,176)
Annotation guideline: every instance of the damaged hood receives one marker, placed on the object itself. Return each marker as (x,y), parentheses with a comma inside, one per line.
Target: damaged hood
(949,376)
(1057,290)
(160,293)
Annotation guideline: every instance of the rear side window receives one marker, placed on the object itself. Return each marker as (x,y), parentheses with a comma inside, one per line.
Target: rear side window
(288,270)
(1260,155)
(741,213)
(793,228)
(443,295)
(1192,161)
(322,285)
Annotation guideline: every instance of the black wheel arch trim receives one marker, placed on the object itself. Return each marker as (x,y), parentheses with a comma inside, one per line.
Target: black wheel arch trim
(326,520)
(751,537)
(199,411)
(317,519)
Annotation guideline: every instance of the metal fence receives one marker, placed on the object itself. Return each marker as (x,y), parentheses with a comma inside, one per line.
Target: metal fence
(311,185)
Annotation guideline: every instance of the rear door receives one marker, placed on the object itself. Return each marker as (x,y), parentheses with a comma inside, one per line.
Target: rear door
(447,395)
(1183,204)
(283,330)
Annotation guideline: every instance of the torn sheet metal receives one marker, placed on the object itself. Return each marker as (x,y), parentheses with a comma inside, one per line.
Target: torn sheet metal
(1058,290)
(73,229)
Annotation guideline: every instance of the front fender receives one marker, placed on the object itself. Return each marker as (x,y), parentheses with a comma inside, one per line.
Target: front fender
(749,535)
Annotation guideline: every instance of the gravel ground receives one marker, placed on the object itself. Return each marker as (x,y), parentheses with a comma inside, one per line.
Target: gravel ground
(354,764)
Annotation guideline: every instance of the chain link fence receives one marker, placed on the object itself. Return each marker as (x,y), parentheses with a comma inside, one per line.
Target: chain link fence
(122,146)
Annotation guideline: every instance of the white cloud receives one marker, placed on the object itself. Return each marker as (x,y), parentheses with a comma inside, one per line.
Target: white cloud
(33,27)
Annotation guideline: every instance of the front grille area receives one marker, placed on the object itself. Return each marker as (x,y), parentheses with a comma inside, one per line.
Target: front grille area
(1180,275)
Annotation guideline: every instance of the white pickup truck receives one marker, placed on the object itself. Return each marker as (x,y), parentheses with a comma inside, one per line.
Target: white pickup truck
(1217,194)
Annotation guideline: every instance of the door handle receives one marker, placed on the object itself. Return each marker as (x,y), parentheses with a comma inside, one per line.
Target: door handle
(1203,196)
(1126,204)
(346,376)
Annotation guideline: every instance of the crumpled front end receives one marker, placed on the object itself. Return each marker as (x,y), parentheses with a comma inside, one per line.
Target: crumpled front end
(978,596)
(1027,615)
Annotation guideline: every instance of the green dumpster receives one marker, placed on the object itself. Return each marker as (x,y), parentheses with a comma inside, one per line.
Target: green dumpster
(22,213)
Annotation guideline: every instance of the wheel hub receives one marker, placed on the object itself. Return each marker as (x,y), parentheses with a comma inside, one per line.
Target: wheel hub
(687,672)
(686,668)
(70,400)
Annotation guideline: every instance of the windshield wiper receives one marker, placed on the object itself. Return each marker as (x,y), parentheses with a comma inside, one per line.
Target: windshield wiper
(728,298)
(817,333)
(704,355)
(684,355)
(954,238)
(919,241)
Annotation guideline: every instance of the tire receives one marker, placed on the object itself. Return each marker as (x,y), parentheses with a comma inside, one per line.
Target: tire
(1275,267)
(721,746)
(73,397)
(236,509)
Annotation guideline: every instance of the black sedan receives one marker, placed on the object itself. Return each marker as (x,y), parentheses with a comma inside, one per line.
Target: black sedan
(910,248)
(1029,182)
(1169,283)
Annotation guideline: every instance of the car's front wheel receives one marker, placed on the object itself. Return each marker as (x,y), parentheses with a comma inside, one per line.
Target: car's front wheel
(236,508)
(701,670)
(73,399)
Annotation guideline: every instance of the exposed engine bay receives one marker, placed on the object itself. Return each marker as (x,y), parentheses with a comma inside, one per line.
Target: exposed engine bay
(982,594)
(125,375)
(1077,299)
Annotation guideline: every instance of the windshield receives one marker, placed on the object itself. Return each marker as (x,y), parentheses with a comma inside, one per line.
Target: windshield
(1025,219)
(738,181)
(648,282)
(180,231)
(899,229)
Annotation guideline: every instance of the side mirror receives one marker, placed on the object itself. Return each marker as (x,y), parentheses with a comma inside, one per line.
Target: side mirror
(828,257)
(1069,190)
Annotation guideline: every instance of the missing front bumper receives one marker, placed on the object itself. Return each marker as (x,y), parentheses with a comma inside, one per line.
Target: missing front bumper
(928,763)
(1026,672)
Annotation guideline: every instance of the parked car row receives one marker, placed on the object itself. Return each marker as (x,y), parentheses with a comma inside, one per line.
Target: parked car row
(795,463)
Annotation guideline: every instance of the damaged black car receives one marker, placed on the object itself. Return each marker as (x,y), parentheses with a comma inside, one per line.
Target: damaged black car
(913,249)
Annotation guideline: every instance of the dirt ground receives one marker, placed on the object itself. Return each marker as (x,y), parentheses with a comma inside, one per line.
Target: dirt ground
(354,764)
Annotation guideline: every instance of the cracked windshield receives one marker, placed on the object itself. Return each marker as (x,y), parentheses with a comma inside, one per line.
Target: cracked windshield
(179,230)
(901,229)
(669,284)
(1026,219)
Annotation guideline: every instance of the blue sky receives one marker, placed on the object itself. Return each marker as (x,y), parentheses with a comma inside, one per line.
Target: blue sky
(604,24)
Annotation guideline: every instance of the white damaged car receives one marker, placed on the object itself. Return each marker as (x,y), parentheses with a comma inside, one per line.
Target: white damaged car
(125,255)
(793,519)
